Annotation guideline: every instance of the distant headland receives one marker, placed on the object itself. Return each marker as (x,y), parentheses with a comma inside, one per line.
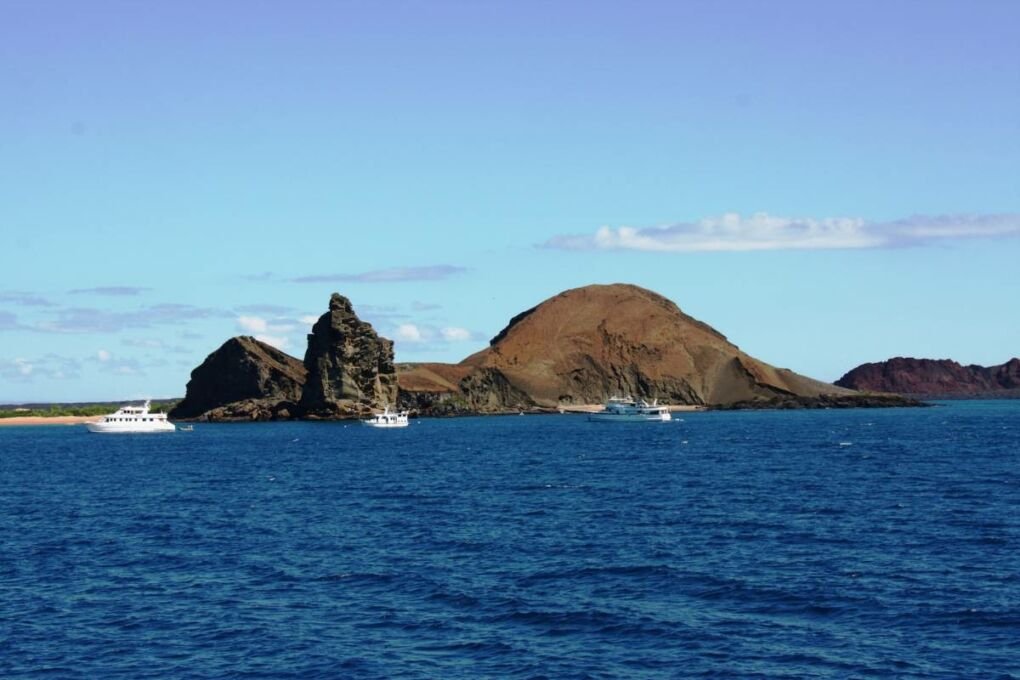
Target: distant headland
(577,348)
(936,379)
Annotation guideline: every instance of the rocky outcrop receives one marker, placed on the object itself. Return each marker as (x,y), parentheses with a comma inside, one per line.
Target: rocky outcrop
(350,367)
(935,378)
(347,372)
(587,344)
(244,379)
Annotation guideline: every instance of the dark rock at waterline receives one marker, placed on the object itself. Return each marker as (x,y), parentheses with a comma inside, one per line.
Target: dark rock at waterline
(243,379)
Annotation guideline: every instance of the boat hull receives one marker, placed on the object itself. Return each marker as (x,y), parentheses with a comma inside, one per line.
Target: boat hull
(629,417)
(130,428)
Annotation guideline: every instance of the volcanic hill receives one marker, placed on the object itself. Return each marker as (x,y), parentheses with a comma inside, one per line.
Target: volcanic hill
(587,344)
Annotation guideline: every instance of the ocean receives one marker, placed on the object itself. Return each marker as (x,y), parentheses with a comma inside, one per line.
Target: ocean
(857,543)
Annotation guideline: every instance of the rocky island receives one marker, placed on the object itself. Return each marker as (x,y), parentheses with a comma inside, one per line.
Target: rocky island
(936,378)
(579,347)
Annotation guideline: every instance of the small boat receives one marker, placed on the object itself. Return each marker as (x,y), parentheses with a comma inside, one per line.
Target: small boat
(185,428)
(387,419)
(627,410)
(132,420)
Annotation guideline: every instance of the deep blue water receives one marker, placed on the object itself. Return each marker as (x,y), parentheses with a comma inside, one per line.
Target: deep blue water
(827,544)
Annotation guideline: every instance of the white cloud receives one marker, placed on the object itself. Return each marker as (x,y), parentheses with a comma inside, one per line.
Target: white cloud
(252,324)
(278,341)
(734,232)
(408,332)
(454,334)
(103,355)
(308,320)
(23,366)
(272,332)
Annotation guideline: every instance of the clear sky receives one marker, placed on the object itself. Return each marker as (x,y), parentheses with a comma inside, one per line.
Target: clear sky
(825,183)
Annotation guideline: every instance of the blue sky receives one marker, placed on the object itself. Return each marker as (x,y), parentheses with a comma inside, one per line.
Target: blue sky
(825,183)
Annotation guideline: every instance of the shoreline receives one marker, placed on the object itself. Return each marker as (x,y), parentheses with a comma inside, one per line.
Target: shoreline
(48,420)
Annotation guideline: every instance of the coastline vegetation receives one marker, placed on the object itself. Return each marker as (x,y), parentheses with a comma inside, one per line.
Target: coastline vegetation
(86,410)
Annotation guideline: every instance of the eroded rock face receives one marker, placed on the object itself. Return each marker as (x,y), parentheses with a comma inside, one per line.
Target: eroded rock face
(244,379)
(350,367)
(933,377)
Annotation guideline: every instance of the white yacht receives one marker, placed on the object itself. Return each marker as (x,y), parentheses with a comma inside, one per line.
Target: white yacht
(627,410)
(132,419)
(387,419)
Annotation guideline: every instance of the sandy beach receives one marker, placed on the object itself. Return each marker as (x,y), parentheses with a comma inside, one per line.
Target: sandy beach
(48,420)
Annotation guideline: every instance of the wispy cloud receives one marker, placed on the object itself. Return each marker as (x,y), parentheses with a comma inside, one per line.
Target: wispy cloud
(143,343)
(9,322)
(734,232)
(391,275)
(456,334)
(123,366)
(116,291)
(276,310)
(90,320)
(424,334)
(23,299)
(50,366)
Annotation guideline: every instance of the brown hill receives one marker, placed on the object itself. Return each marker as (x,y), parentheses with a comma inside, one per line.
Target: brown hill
(935,378)
(587,344)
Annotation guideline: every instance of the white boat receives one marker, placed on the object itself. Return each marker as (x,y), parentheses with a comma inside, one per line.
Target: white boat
(387,419)
(132,419)
(627,410)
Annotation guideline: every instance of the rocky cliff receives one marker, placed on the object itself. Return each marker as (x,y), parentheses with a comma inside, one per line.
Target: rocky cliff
(350,367)
(243,380)
(935,378)
(587,344)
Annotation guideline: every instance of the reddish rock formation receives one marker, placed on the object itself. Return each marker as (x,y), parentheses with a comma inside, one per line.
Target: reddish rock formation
(933,377)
